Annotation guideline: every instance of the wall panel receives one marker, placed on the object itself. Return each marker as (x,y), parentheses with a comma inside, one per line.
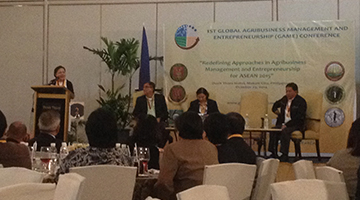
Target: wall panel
(248,11)
(71,28)
(21,58)
(303,10)
(126,21)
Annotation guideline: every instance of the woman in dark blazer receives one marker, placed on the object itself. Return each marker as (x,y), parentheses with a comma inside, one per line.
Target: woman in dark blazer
(203,105)
(60,80)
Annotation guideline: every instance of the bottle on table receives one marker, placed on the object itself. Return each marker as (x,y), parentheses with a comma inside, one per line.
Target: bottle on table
(54,158)
(63,151)
(247,121)
(266,121)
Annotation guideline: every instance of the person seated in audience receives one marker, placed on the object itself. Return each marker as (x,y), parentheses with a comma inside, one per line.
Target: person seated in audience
(203,105)
(348,160)
(12,153)
(216,128)
(49,126)
(101,131)
(357,195)
(225,131)
(182,166)
(146,134)
(3,126)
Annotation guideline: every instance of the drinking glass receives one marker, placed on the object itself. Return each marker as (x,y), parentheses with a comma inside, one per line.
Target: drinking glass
(144,157)
(45,157)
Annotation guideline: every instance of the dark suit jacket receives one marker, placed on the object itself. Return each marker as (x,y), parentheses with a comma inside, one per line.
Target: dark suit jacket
(161,110)
(13,154)
(297,112)
(235,150)
(44,140)
(211,104)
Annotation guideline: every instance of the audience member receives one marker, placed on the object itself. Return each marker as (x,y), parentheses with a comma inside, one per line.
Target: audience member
(216,127)
(3,126)
(357,195)
(225,131)
(348,160)
(49,126)
(101,130)
(146,133)
(12,153)
(183,162)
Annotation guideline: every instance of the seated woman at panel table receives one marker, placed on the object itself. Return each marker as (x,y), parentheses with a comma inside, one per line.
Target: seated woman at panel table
(101,130)
(348,160)
(60,80)
(203,105)
(183,162)
(146,134)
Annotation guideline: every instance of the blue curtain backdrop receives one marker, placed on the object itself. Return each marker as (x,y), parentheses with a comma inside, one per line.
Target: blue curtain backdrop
(145,64)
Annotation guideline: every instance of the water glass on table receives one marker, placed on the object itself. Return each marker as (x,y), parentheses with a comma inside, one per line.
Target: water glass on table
(48,159)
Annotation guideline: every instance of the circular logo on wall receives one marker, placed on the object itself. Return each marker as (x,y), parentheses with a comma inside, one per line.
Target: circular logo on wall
(334,71)
(178,72)
(177,93)
(334,117)
(335,93)
(186,37)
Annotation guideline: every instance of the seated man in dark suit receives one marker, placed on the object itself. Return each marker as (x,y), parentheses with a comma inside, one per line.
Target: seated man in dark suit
(12,153)
(153,104)
(225,131)
(291,117)
(49,125)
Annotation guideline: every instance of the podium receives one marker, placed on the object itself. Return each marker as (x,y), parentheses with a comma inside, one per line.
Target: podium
(57,98)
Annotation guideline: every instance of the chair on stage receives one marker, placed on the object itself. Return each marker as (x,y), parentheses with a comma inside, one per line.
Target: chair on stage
(69,187)
(26,191)
(309,189)
(328,173)
(16,175)
(255,104)
(266,176)
(304,169)
(107,182)
(312,122)
(238,178)
(204,192)
(135,95)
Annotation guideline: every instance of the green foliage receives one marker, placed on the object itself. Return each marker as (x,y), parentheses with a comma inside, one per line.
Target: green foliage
(121,59)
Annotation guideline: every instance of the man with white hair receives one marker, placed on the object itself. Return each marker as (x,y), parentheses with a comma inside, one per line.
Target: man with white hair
(49,126)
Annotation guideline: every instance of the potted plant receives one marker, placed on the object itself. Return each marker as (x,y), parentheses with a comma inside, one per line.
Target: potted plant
(121,59)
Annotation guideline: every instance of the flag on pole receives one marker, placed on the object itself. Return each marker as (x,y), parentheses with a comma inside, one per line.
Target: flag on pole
(144,75)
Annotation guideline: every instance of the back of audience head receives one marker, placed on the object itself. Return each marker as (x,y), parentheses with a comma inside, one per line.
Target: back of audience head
(145,131)
(217,128)
(354,138)
(236,123)
(101,129)
(49,122)
(3,124)
(17,131)
(189,125)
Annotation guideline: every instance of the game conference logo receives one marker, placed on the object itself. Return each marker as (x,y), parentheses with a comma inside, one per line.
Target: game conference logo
(186,37)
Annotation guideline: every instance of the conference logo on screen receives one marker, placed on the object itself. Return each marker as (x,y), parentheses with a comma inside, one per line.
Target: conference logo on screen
(178,72)
(186,37)
(334,71)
